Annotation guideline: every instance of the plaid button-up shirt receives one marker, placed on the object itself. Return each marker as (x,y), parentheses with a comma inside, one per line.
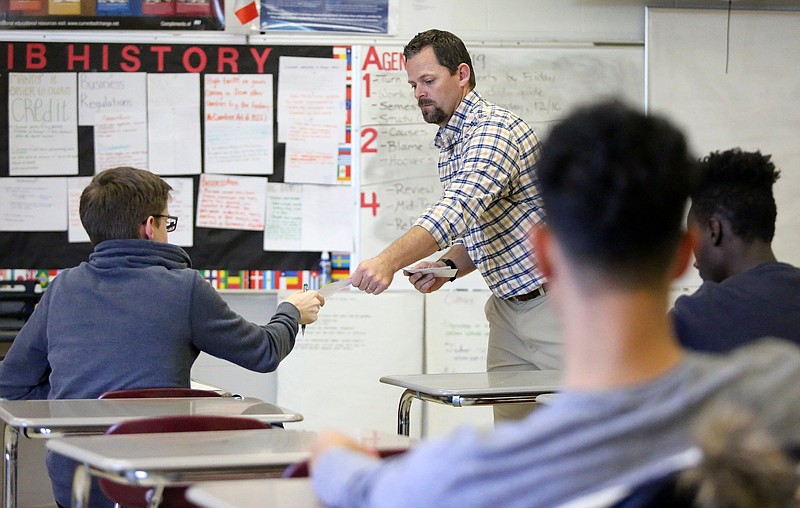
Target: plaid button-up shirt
(491,195)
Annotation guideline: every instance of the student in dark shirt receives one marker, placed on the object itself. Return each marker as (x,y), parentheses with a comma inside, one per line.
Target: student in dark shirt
(746,293)
(135,315)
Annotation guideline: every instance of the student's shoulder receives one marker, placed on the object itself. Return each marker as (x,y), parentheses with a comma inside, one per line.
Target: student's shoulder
(769,354)
(709,299)
(65,276)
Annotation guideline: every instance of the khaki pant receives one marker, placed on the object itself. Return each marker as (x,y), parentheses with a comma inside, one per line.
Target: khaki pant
(522,336)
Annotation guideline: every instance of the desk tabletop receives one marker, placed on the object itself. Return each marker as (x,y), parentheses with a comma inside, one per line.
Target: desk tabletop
(479,383)
(285,493)
(71,414)
(217,450)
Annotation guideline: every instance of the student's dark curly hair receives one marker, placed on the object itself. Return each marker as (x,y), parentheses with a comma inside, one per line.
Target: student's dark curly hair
(615,184)
(738,186)
(450,51)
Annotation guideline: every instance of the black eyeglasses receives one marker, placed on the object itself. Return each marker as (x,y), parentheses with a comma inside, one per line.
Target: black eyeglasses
(172,222)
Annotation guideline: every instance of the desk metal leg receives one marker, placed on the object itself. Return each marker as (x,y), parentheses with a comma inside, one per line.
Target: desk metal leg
(155,495)
(403,411)
(10,444)
(81,486)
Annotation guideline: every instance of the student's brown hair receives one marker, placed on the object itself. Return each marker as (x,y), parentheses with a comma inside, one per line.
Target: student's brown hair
(118,200)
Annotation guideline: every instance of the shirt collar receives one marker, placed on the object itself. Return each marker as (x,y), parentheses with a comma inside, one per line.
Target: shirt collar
(446,135)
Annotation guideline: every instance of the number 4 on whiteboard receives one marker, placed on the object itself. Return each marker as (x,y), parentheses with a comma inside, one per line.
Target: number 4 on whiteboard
(372,204)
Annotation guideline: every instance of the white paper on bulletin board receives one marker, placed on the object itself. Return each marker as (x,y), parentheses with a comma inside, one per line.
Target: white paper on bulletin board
(42,124)
(173,124)
(332,375)
(76,232)
(33,204)
(456,338)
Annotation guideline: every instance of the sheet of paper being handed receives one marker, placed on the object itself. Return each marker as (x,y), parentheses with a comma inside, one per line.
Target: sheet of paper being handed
(329,289)
(436,271)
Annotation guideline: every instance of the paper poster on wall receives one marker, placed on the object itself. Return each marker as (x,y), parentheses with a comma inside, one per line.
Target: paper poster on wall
(283,225)
(120,139)
(173,130)
(171,15)
(238,124)
(456,340)
(42,124)
(312,91)
(181,205)
(110,92)
(357,16)
(33,204)
(308,218)
(357,339)
(231,202)
(312,153)
(328,218)
(76,232)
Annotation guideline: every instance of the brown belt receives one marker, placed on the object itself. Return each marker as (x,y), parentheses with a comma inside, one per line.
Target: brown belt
(536,293)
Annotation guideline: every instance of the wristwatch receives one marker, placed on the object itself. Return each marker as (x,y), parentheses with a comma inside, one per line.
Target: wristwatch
(450,263)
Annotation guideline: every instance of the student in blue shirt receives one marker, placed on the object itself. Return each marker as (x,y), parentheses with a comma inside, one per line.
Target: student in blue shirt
(746,293)
(615,183)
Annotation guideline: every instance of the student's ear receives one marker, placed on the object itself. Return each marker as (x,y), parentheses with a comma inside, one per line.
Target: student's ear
(463,74)
(541,239)
(146,230)
(715,230)
(686,247)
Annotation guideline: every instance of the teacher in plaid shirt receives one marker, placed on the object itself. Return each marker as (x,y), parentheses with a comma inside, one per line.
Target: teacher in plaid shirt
(490,201)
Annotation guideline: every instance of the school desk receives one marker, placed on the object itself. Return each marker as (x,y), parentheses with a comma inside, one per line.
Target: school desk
(471,389)
(57,418)
(180,458)
(277,492)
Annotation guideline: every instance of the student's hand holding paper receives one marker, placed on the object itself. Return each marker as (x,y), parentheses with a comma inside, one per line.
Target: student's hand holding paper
(428,276)
(308,303)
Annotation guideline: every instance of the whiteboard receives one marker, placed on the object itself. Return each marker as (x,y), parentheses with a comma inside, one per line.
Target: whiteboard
(332,375)
(456,340)
(753,104)
(398,175)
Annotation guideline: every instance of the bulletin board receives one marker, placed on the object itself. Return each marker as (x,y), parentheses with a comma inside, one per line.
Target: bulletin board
(398,175)
(212,248)
(730,80)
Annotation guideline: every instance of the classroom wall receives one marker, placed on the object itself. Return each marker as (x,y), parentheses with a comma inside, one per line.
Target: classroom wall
(526,21)
(477,22)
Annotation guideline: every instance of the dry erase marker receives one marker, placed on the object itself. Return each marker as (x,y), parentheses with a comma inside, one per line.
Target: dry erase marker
(303,327)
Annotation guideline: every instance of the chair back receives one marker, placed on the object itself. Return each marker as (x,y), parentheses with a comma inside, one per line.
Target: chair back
(126,495)
(18,299)
(152,393)
(662,492)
